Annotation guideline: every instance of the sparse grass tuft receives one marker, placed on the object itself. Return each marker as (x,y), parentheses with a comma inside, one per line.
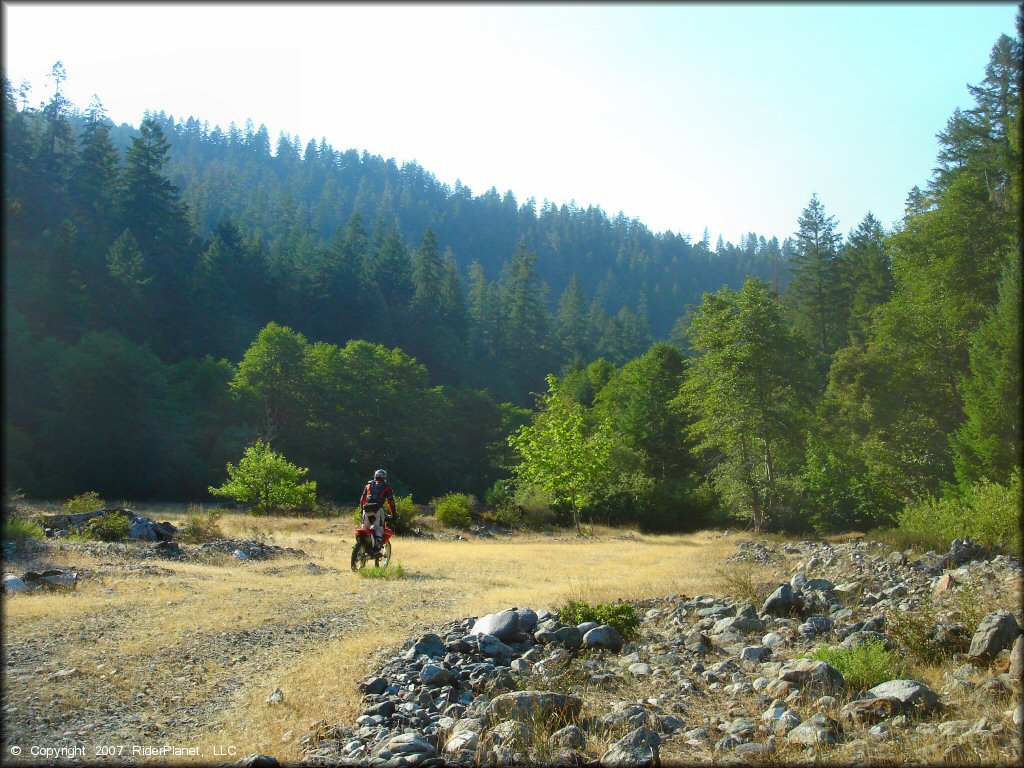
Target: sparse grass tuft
(20,529)
(201,525)
(863,666)
(386,572)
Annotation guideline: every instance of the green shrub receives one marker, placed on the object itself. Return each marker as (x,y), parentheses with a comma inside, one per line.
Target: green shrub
(20,529)
(987,512)
(386,572)
(454,510)
(508,514)
(89,501)
(915,632)
(267,481)
(501,492)
(113,526)
(406,513)
(618,615)
(201,526)
(863,666)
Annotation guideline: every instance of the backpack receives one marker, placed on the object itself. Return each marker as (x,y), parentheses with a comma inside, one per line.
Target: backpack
(375,495)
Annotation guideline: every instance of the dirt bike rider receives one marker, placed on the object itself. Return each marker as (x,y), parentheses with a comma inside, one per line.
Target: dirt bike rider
(375,493)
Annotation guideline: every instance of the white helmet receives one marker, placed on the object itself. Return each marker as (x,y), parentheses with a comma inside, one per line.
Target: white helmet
(381,474)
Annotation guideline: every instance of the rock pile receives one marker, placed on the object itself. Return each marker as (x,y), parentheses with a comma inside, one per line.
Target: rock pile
(710,677)
(52,579)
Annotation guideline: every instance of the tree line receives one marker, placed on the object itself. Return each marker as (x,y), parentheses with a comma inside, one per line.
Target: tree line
(886,375)
(174,293)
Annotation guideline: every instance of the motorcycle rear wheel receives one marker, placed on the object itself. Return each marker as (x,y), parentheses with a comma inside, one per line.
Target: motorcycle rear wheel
(359,556)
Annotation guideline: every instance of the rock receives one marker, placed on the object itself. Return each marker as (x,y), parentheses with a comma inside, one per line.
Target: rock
(255,761)
(896,558)
(276,697)
(909,695)
(756,653)
(812,675)
(997,631)
(373,685)
(740,624)
(818,585)
(787,721)
(406,744)
(501,625)
(429,644)
(637,749)
(819,730)
(434,676)
(567,637)
(635,716)
(462,740)
(13,585)
(640,669)
(944,584)
(523,705)
(570,737)
(240,554)
(527,619)
(1017,658)
(773,640)
(696,642)
(604,636)
(781,602)
(868,711)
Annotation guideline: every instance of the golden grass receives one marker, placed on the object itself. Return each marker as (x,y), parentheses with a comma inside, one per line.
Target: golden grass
(167,615)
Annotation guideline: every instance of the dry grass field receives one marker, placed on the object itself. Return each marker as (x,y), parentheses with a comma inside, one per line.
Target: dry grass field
(186,653)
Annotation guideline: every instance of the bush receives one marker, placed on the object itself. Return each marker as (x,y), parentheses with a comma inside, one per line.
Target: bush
(618,615)
(863,666)
(454,510)
(20,529)
(266,481)
(987,512)
(501,492)
(89,501)
(201,526)
(113,526)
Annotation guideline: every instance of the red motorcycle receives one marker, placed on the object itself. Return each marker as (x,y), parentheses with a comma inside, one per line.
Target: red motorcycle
(364,551)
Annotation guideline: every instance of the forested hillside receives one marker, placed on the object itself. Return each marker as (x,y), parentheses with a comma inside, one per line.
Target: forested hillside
(173,292)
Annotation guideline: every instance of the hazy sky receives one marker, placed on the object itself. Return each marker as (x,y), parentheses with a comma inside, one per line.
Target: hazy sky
(725,116)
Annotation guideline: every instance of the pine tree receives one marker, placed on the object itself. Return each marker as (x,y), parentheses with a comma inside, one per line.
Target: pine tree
(815,291)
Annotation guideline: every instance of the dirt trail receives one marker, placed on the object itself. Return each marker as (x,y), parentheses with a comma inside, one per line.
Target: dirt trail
(185,658)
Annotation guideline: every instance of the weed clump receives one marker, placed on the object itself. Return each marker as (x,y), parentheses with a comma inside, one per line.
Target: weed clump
(201,526)
(113,526)
(89,501)
(618,615)
(385,572)
(863,666)
(20,529)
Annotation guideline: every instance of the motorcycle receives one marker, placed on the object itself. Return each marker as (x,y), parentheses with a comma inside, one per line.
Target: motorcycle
(363,550)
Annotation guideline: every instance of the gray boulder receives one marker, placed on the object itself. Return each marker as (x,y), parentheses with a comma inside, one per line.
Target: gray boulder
(13,585)
(780,602)
(1017,658)
(696,642)
(502,625)
(527,619)
(567,637)
(636,749)
(570,737)
(909,695)
(604,636)
(818,585)
(429,644)
(820,730)
(433,676)
(756,653)
(997,631)
(812,675)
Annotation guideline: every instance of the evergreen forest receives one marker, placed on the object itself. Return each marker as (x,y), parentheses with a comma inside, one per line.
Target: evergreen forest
(174,293)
